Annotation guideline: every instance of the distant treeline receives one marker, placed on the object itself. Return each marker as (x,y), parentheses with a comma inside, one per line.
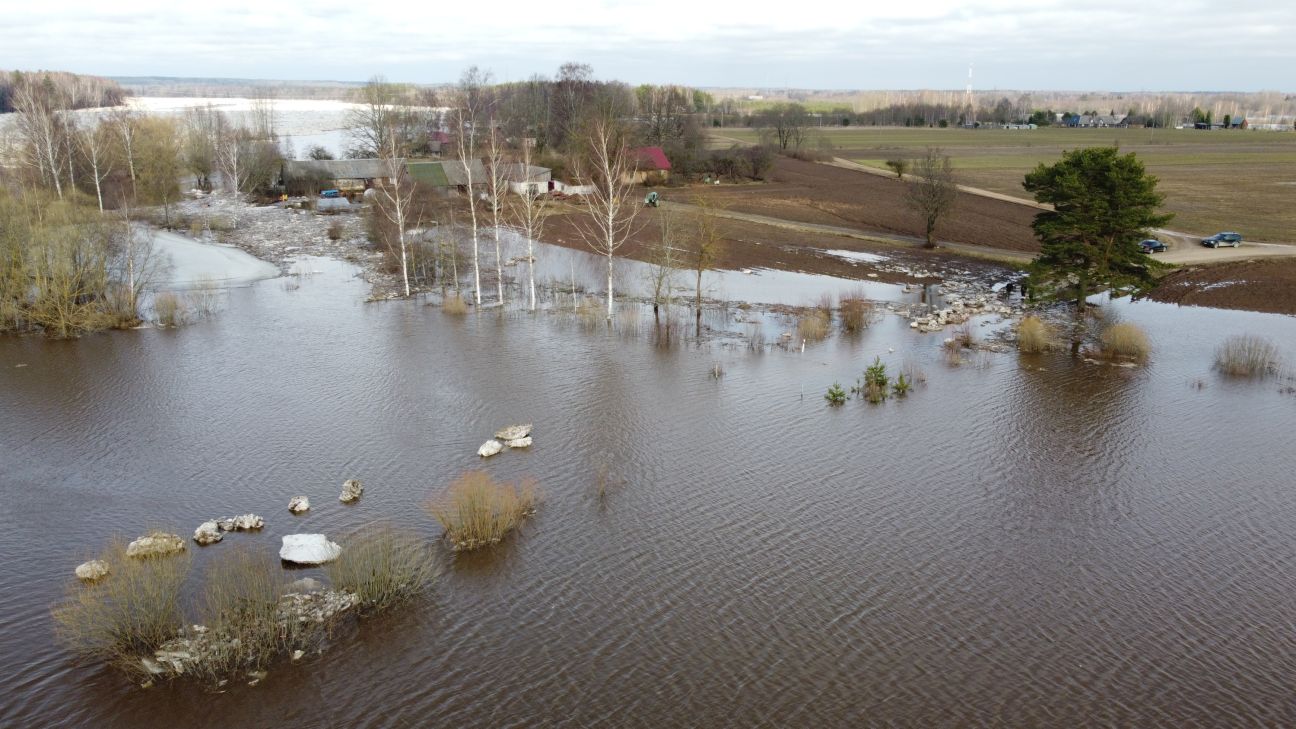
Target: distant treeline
(72,91)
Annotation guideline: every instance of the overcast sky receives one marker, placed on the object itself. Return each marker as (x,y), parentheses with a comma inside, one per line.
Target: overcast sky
(1242,45)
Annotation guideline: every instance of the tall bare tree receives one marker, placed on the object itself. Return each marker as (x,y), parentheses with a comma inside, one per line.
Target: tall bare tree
(704,250)
(160,150)
(396,200)
(529,211)
(466,114)
(497,179)
(663,262)
(612,208)
(41,128)
(932,196)
(95,144)
(203,128)
(124,122)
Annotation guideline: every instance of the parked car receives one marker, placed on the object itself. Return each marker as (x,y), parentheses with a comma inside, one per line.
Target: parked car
(1152,245)
(1220,240)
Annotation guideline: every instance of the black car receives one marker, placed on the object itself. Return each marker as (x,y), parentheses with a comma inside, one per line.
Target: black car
(1219,240)
(1152,245)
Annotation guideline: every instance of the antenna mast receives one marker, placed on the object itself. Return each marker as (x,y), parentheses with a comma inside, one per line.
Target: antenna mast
(971,119)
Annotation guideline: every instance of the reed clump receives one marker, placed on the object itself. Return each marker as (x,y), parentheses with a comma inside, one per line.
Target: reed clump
(477,511)
(168,309)
(241,614)
(131,612)
(813,325)
(1124,341)
(1034,335)
(1247,355)
(454,304)
(383,566)
(336,230)
(855,313)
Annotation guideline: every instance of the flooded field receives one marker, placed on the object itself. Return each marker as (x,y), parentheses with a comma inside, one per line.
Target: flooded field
(1022,541)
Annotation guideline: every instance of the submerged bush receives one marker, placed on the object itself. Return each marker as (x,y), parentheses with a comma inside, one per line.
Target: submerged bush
(835,395)
(855,311)
(477,511)
(131,612)
(454,304)
(240,609)
(873,385)
(813,326)
(1247,355)
(1034,335)
(168,309)
(1124,341)
(336,230)
(902,386)
(383,567)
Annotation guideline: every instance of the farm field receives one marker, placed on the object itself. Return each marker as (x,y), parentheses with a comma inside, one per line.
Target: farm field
(1217,180)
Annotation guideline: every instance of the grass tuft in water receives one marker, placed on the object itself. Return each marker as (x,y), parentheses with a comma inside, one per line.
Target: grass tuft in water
(1247,355)
(477,511)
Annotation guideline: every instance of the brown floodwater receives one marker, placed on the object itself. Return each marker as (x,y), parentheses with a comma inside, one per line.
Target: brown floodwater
(1020,542)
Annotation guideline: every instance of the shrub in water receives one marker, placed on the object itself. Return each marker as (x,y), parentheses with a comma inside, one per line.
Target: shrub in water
(477,511)
(1034,336)
(873,386)
(168,309)
(835,395)
(240,609)
(335,230)
(383,567)
(813,326)
(1124,341)
(130,612)
(454,304)
(855,312)
(1246,355)
(902,386)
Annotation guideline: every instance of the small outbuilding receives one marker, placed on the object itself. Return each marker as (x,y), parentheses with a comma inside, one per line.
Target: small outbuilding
(308,177)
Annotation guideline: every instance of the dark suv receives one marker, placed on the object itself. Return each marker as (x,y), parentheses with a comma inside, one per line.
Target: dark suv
(1220,240)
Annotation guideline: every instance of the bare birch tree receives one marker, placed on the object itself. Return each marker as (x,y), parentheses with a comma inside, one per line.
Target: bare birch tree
(95,145)
(612,209)
(465,118)
(496,188)
(39,126)
(396,200)
(123,121)
(529,211)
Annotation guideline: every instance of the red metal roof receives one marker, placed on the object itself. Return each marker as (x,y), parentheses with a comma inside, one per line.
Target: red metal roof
(651,158)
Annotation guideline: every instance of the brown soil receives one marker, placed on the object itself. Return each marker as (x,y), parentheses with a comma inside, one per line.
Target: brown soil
(1260,285)
(755,245)
(822,194)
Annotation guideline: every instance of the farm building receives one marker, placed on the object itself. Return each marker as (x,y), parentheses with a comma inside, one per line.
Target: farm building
(304,177)
(651,164)
(1096,120)
(449,174)
(527,179)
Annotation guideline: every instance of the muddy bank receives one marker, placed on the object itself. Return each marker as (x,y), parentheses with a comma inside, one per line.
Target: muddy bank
(1258,285)
(749,245)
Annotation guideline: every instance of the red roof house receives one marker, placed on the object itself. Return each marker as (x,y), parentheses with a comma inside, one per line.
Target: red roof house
(651,159)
